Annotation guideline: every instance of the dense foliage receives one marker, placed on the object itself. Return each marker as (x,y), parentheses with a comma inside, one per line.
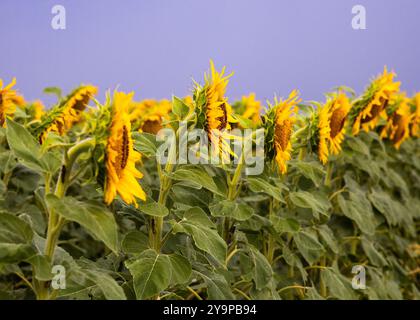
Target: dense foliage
(81,188)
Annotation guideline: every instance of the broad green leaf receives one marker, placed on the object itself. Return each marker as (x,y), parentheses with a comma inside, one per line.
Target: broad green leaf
(151,273)
(312,170)
(263,272)
(179,107)
(199,227)
(375,257)
(135,242)
(181,268)
(198,176)
(282,225)
(15,252)
(153,209)
(384,203)
(315,201)
(14,229)
(217,286)
(338,286)
(109,287)
(145,143)
(231,209)
(260,185)
(308,246)
(28,150)
(97,219)
(328,237)
(359,213)
(41,265)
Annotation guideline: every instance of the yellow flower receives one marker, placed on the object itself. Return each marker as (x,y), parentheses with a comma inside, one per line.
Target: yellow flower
(397,128)
(370,108)
(252,109)
(331,125)
(68,112)
(415,123)
(340,108)
(324,132)
(149,115)
(218,113)
(9,99)
(121,158)
(38,110)
(284,120)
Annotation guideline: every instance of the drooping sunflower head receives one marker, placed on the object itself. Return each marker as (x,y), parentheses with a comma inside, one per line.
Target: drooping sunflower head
(249,110)
(323,132)
(68,112)
(9,99)
(369,108)
(340,107)
(415,122)
(214,113)
(150,115)
(120,157)
(397,127)
(278,124)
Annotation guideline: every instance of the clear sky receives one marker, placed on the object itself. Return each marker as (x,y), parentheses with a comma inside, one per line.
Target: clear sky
(156,47)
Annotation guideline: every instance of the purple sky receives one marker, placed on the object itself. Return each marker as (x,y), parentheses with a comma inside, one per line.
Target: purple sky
(157,47)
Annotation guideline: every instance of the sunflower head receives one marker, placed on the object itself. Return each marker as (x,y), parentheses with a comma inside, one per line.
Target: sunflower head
(370,107)
(397,127)
(150,115)
(9,99)
(415,122)
(214,113)
(249,110)
(68,112)
(278,124)
(120,158)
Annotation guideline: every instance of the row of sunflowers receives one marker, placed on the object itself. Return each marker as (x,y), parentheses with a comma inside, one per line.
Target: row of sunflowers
(82,189)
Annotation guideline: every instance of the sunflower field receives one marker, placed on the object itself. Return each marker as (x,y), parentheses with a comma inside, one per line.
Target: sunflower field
(89,211)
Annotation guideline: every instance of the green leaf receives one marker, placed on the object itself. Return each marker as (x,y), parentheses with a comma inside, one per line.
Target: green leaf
(181,269)
(14,229)
(42,267)
(153,209)
(261,185)
(383,202)
(197,176)
(308,246)
(28,150)
(231,209)
(96,219)
(54,90)
(312,170)
(328,237)
(135,242)
(263,273)
(109,287)
(217,286)
(339,287)
(359,213)
(179,107)
(282,225)
(145,143)
(375,257)
(15,252)
(151,273)
(315,201)
(196,223)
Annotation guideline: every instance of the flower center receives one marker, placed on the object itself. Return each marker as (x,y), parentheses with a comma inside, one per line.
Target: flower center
(282,134)
(337,122)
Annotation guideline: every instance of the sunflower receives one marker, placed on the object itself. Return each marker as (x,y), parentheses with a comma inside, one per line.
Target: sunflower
(340,108)
(415,123)
(9,99)
(324,132)
(67,113)
(284,118)
(216,110)
(38,110)
(397,128)
(121,158)
(252,109)
(149,115)
(369,109)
